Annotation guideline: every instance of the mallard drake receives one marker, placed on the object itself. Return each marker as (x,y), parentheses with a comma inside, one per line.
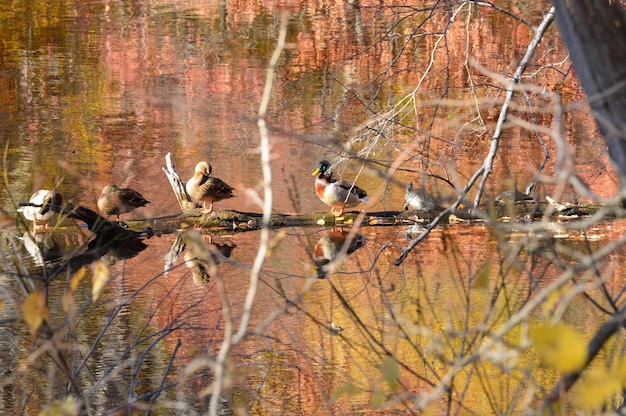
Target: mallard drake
(419,199)
(206,189)
(336,193)
(117,201)
(34,213)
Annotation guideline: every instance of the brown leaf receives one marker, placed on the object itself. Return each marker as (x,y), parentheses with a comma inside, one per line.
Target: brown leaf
(35,311)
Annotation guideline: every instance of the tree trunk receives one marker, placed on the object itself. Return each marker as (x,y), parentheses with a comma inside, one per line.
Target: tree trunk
(594,32)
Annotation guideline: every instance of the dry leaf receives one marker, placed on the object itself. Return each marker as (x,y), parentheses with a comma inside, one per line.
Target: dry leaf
(347,390)
(597,389)
(35,311)
(391,372)
(560,346)
(100,278)
(68,407)
(481,281)
(78,276)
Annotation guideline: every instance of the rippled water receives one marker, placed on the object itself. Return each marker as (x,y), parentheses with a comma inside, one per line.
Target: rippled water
(99,92)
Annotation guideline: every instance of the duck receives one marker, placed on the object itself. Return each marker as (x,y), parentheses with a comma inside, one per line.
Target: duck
(117,201)
(419,199)
(336,193)
(514,195)
(33,211)
(206,189)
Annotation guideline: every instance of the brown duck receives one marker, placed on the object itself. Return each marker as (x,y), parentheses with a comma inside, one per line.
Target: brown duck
(206,189)
(117,201)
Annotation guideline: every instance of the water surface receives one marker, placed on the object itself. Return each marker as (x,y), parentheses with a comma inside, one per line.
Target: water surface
(99,92)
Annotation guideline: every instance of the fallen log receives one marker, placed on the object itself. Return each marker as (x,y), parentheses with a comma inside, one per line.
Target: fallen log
(113,240)
(218,222)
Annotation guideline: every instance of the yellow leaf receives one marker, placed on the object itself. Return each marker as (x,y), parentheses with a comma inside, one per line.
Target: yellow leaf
(597,388)
(35,311)
(481,281)
(560,346)
(378,399)
(69,407)
(554,300)
(391,372)
(347,390)
(430,410)
(100,278)
(621,369)
(78,276)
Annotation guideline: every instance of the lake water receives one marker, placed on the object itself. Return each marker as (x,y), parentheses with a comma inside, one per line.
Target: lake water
(99,92)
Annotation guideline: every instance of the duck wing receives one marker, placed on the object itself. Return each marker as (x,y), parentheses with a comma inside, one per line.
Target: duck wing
(216,188)
(350,189)
(133,198)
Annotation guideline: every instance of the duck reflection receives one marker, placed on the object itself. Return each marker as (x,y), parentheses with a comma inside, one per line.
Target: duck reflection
(330,247)
(75,248)
(43,247)
(123,252)
(203,257)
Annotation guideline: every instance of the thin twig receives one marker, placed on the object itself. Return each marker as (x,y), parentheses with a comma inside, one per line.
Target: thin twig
(518,318)
(227,343)
(158,391)
(487,166)
(495,140)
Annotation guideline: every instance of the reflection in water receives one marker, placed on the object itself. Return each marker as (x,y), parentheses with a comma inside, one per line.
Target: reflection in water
(335,245)
(201,257)
(43,247)
(112,254)
(5,220)
(62,249)
(203,260)
(99,91)
(68,247)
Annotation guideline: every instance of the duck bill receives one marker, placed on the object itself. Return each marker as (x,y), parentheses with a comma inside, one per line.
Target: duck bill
(317,172)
